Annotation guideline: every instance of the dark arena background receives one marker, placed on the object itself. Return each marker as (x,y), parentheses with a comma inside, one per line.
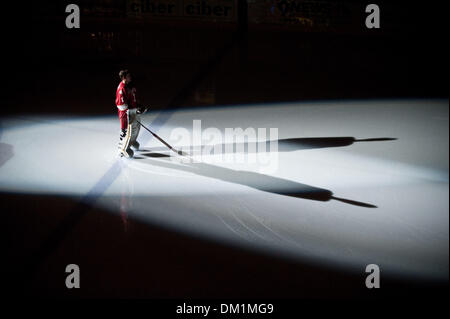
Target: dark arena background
(313,155)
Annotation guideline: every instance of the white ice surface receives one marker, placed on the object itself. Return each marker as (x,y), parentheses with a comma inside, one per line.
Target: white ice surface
(406,178)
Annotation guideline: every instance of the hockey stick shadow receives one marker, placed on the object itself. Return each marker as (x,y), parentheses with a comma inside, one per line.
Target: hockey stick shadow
(283,145)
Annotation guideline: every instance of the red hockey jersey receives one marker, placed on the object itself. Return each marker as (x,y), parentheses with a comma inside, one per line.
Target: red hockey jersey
(122,98)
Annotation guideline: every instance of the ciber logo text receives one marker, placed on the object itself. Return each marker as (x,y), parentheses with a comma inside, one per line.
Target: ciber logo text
(198,8)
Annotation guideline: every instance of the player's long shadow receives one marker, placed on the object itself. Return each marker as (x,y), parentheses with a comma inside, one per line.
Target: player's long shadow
(259,181)
(284,145)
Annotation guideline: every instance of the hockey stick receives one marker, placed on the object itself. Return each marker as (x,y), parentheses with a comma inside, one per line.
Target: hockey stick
(160,139)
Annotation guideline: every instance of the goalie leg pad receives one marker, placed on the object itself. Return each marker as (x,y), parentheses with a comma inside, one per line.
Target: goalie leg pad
(124,142)
(135,128)
(126,133)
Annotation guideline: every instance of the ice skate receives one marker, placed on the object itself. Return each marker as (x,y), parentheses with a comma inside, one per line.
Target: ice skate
(135,145)
(128,153)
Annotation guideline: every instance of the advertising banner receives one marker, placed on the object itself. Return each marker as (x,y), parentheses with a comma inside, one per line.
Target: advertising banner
(210,10)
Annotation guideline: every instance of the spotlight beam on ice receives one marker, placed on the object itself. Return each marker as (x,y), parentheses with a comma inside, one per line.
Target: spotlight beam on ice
(341,151)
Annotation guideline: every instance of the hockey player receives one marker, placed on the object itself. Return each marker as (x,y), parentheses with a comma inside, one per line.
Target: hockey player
(129,114)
